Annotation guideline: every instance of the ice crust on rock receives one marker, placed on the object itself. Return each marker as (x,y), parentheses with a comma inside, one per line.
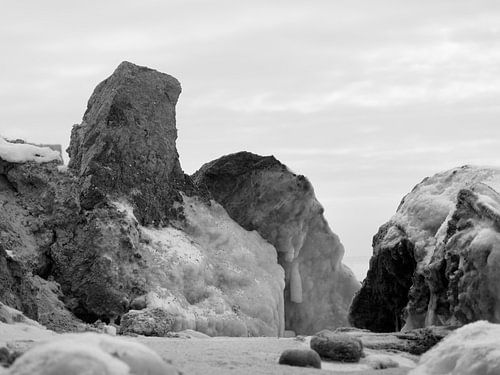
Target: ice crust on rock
(436,261)
(220,279)
(262,194)
(473,349)
(23,152)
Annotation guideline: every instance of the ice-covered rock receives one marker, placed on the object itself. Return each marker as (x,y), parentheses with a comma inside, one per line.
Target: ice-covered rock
(24,152)
(17,334)
(262,194)
(473,349)
(212,276)
(93,354)
(436,262)
(80,245)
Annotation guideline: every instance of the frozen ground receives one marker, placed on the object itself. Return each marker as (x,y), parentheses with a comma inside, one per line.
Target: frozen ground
(218,355)
(228,355)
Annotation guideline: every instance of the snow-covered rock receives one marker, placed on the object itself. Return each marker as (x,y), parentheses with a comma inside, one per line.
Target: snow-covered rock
(123,233)
(90,353)
(262,194)
(437,261)
(24,152)
(211,276)
(473,349)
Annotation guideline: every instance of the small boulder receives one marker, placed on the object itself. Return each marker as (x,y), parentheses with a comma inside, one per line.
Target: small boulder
(148,322)
(300,358)
(337,346)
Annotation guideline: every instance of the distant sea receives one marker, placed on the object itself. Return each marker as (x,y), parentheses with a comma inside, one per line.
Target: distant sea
(358,264)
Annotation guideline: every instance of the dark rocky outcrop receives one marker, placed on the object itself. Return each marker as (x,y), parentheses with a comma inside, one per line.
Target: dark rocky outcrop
(125,145)
(300,358)
(261,194)
(437,261)
(78,245)
(379,305)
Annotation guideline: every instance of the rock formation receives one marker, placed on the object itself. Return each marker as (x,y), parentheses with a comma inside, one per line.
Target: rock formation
(125,145)
(437,261)
(261,194)
(123,228)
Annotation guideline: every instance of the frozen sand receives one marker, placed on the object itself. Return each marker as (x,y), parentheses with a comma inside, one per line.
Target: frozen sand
(227,355)
(217,355)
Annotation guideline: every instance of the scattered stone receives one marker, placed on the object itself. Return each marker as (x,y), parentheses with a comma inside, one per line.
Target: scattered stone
(337,346)
(300,358)
(149,322)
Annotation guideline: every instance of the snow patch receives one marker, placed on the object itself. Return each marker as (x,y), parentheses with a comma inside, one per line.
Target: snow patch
(473,349)
(23,152)
(173,242)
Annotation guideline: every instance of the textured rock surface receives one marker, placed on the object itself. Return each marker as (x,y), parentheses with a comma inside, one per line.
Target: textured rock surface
(300,358)
(337,346)
(76,244)
(414,342)
(125,144)
(261,194)
(437,261)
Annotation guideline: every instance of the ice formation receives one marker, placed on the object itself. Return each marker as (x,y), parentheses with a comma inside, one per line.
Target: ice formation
(222,280)
(473,349)
(436,262)
(262,194)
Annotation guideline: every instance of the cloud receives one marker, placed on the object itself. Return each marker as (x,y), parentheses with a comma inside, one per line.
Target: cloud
(363,97)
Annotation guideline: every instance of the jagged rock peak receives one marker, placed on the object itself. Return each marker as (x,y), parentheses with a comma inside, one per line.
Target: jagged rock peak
(238,164)
(125,144)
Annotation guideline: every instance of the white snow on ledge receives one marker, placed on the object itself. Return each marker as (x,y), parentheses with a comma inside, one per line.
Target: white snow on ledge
(23,152)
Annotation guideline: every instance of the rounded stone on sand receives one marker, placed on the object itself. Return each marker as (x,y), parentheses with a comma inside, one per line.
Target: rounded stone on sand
(337,346)
(300,358)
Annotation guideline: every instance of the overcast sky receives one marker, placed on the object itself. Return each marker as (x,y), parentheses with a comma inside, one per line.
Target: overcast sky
(365,98)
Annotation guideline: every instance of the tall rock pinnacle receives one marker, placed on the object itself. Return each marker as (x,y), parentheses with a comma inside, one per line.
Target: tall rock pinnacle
(125,144)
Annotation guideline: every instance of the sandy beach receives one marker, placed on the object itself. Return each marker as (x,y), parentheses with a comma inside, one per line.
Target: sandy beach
(226,355)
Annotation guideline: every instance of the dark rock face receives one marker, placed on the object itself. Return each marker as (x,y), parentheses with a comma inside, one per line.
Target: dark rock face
(26,235)
(126,144)
(379,304)
(436,262)
(300,358)
(337,346)
(261,194)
